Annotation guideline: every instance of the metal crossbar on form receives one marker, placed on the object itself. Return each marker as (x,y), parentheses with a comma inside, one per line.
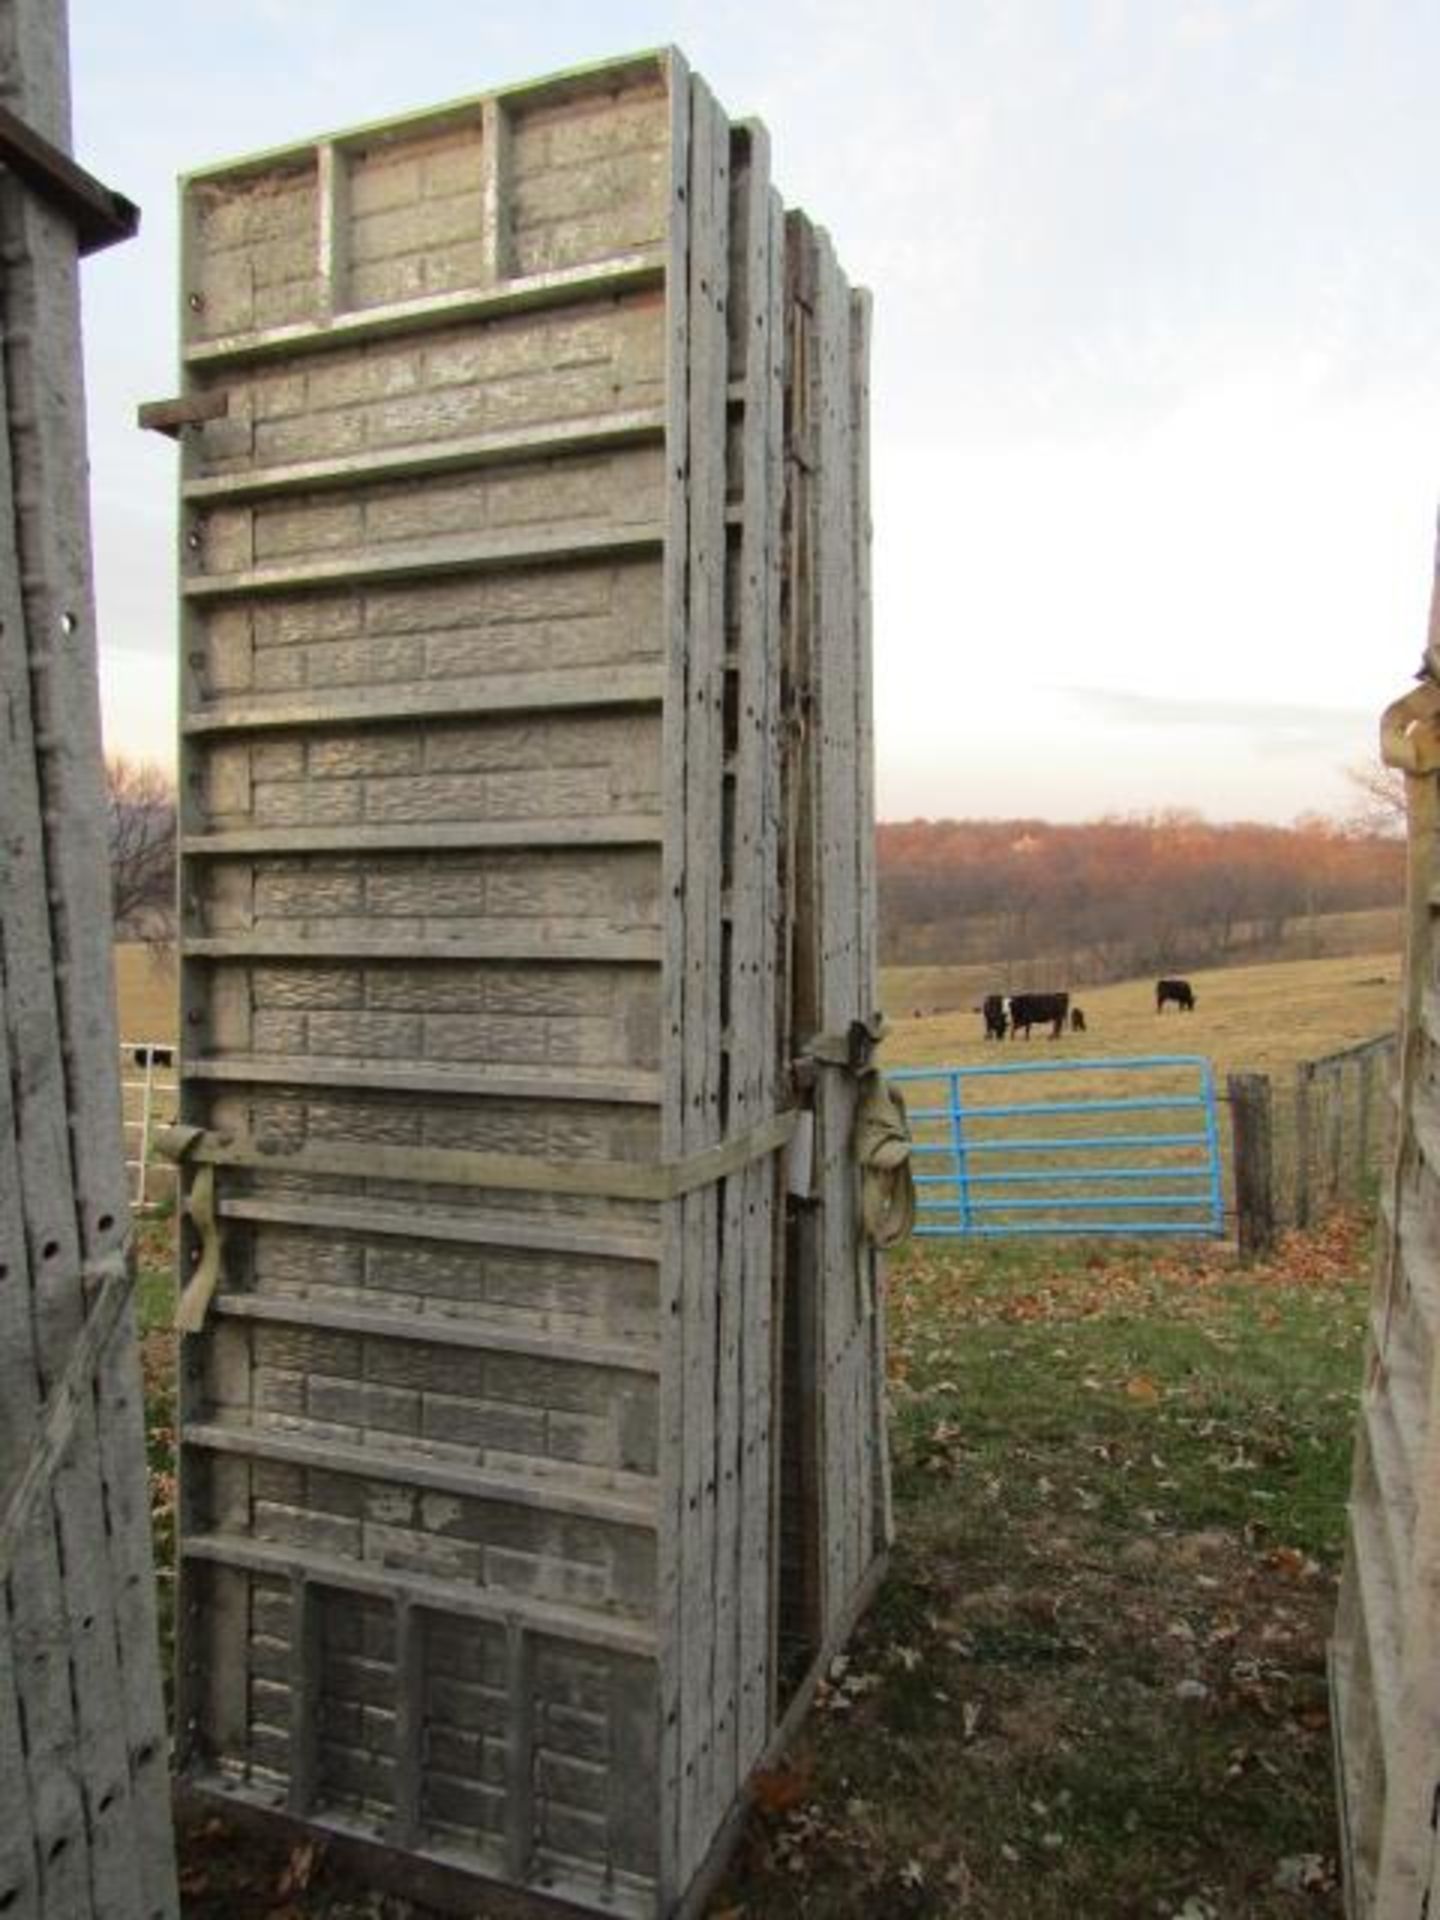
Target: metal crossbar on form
(987,1165)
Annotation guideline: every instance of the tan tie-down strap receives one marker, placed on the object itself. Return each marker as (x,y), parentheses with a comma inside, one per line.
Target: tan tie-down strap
(114,1282)
(1410,740)
(442,1167)
(880,1141)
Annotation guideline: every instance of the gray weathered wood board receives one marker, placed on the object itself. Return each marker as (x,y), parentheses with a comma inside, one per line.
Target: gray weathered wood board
(1385,1654)
(485,791)
(84,1802)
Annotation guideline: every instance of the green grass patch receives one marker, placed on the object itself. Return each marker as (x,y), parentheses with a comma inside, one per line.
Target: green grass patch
(1093,1684)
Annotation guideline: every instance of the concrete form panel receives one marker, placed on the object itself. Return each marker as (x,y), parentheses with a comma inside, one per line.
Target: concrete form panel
(490,717)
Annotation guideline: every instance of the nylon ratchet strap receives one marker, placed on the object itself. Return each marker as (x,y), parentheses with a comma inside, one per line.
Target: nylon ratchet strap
(439,1167)
(114,1281)
(1410,740)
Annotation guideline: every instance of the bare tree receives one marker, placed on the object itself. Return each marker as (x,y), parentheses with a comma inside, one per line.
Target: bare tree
(1381,806)
(141,801)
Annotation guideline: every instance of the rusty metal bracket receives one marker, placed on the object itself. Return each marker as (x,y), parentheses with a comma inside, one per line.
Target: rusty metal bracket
(100,216)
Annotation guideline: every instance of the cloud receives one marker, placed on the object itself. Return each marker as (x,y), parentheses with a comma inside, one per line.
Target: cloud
(1297,723)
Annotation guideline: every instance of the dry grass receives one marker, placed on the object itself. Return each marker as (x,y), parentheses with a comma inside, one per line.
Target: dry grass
(974,945)
(145,986)
(1247,1019)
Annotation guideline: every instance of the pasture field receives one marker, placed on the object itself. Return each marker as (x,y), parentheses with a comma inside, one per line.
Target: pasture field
(1261,1019)
(146,990)
(972,969)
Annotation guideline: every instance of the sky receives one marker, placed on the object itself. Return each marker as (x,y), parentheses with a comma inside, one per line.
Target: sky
(1156,375)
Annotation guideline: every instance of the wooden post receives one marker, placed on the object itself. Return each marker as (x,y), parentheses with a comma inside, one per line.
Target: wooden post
(1254,1168)
(1366,1101)
(1334,1131)
(1304,1075)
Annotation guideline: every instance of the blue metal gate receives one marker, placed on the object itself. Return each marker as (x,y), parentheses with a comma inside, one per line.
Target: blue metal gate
(988,1166)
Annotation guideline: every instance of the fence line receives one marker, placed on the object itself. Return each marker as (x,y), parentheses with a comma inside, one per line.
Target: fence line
(147,1075)
(1341,1125)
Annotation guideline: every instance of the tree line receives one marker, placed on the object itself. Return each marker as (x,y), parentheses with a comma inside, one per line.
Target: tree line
(1117,897)
(1107,899)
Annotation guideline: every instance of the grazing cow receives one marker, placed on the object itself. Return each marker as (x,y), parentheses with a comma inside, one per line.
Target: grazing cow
(1180,991)
(1038,1010)
(993,1012)
(1077,1020)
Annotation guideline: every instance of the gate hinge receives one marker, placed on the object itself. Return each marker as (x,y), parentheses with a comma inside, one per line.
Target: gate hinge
(99,215)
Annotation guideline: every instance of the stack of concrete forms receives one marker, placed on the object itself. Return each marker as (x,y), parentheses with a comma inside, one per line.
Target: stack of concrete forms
(84,1792)
(526,830)
(1385,1657)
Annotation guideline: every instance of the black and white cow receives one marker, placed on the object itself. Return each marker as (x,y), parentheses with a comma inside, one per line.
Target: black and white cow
(1180,991)
(1038,1010)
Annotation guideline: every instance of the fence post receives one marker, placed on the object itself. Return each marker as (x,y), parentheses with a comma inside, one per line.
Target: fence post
(1304,1078)
(1367,1100)
(1254,1167)
(1334,1130)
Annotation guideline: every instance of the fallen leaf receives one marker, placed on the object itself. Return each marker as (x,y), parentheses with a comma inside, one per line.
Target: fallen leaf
(1141,1387)
(779,1789)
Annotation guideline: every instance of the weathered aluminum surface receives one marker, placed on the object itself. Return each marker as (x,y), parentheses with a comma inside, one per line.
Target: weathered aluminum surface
(84,1802)
(484,815)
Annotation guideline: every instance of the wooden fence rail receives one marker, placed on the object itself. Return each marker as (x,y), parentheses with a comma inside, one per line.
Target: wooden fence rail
(1293,1161)
(1341,1108)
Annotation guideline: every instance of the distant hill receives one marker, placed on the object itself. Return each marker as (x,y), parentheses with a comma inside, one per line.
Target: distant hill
(1110,899)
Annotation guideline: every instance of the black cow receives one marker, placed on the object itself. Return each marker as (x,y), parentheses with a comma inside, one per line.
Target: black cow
(1180,991)
(993,1011)
(1038,1010)
(1077,1020)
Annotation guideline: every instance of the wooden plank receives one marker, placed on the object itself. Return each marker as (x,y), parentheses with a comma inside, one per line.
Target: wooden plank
(624,1501)
(547,692)
(776,1049)
(1304,1104)
(670,1878)
(212,1604)
(303,1679)
(1250,1125)
(745,1518)
(593,433)
(614,830)
(561,287)
(709,210)
(519,1752)
(804,1006)
(620,1086)
(333,237)
(19,1854)
(410,1717)
(71,1157)
(30,1605)
(836,825)
(562,1233)
(876,1426)
(430,559)
(434,1327)
(376,1581)
(496,164)
(566,944)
